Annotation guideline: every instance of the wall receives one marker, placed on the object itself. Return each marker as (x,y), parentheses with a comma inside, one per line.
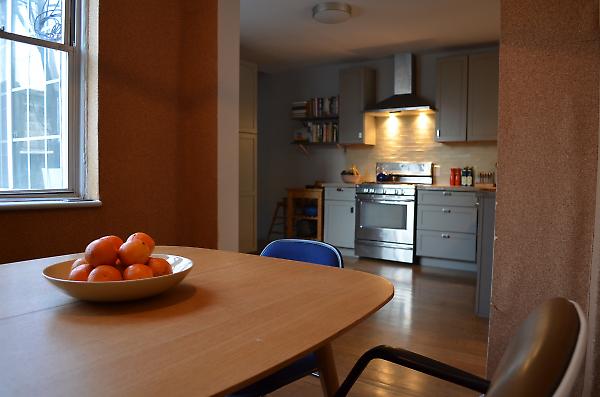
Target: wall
(412,138)
(228,155)
(282,165)
(547,157)
(157,136)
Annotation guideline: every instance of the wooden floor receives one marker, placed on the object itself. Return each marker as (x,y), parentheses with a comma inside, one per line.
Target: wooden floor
(431,314)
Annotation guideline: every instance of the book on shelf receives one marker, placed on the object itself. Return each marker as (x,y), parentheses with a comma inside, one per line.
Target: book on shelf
(316,107)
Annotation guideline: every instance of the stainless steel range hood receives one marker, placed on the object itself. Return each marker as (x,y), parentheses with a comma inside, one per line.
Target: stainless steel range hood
(404,99)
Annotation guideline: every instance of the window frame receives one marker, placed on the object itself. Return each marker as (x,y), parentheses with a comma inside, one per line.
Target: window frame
(74,43)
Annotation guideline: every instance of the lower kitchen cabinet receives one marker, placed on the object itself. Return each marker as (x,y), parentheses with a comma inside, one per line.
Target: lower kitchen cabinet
(447,245)
(447,227)
(339,216)
(456,230)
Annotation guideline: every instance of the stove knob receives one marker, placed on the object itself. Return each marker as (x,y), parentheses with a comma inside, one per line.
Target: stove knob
(399,192)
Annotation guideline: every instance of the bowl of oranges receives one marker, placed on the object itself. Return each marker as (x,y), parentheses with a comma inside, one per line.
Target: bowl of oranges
(114,270)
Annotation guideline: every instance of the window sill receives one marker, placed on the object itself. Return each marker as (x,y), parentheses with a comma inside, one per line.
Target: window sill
(48,204)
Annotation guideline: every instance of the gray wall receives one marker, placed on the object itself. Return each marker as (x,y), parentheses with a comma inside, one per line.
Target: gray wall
(281,164)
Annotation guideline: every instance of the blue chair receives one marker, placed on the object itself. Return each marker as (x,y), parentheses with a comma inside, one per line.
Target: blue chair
(310,251)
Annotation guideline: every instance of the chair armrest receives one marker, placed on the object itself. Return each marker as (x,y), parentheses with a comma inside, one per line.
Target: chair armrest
(413,361)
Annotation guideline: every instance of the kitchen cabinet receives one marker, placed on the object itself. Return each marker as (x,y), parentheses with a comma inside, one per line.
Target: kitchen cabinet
(304,213)
(482,108)
(485,252)
(447,226)
(248,137)
(340,216)
(467,98)
(357,92)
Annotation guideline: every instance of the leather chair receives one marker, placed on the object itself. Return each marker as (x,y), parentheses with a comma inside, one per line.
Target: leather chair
(309,251)
(543,359)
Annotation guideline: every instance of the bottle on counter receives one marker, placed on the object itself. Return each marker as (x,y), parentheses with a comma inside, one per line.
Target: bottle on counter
(469,176)
(463,177)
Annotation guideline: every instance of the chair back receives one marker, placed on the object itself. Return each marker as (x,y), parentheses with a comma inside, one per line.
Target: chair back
(545,356)
(305,251)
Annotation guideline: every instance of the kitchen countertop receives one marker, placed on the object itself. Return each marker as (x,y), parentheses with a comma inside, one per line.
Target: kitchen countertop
(476,188)
(339,184)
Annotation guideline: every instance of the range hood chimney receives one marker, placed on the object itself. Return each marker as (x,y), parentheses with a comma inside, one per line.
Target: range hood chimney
(404,98)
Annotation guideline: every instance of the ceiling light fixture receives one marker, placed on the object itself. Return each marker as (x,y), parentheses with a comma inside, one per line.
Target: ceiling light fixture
(332,12)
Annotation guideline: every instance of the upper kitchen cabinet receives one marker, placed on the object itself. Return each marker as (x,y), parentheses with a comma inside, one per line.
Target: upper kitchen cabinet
(467,98)
(451,99)
(357,92)
(482,113)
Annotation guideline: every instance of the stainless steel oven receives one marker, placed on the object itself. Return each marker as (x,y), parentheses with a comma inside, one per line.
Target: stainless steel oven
(385,212)
(385,226)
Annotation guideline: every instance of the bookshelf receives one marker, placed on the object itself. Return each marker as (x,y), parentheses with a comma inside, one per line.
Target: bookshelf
(319,120)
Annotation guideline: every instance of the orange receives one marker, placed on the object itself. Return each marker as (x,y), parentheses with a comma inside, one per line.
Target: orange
(144,238)
(115,240)
(101,252)
(134,251)
(137,271)
(81,272)
(159,266)
(105,273)
(80,261)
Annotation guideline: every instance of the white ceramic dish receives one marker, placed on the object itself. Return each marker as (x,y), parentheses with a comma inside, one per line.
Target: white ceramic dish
(114,291)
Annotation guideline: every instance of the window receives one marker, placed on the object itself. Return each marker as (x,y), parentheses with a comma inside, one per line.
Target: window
(41,74)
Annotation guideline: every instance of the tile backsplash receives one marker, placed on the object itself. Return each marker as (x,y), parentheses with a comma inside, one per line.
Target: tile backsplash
(412,138)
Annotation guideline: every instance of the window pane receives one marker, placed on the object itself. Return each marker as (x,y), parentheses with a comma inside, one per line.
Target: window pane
(37,169)
(20,167)
(53,109)
(3,143)
(19,114)
(53,177)
(36,113)
(42,19)
(33,117)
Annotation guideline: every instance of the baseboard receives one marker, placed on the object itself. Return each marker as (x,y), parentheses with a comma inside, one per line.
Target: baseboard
(447,264)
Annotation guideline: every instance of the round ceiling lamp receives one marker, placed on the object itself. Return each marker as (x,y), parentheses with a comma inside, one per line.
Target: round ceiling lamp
(332,12)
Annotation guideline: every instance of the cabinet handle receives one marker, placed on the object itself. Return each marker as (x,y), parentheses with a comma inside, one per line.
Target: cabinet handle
(352,210)
(339,189)
(446,210)
(447,193)
(445,235)
(438,133)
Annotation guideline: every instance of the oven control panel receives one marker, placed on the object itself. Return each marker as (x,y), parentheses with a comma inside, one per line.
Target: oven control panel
(386,190)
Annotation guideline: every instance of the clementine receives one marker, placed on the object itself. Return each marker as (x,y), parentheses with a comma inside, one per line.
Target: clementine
(159,266)
(134,251)
(144,238)
(81,272)
(101,252)
(137,271)
(105,273)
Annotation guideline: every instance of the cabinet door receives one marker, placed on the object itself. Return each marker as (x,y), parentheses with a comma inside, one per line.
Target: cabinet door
(247,216)
(482,115)
(248,90)
(451,99)
(339,223)
(452,219)
(446,245)
(357,91)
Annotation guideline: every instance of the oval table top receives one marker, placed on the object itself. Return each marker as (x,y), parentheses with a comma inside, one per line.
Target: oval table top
(233,319)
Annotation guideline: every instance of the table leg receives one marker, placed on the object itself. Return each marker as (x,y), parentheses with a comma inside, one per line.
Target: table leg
(327,371)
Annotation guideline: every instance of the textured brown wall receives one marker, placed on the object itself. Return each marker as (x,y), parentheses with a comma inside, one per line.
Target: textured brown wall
(547,156)
(157,135)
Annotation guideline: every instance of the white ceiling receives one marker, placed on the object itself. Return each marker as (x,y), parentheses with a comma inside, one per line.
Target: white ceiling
(281,34)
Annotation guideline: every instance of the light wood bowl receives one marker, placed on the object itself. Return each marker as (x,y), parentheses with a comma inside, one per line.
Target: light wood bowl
(115,291)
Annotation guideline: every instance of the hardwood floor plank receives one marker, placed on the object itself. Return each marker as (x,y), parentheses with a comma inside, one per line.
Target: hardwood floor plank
(431,314)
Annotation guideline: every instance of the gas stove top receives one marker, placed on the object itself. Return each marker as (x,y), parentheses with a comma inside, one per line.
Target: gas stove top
(398,179)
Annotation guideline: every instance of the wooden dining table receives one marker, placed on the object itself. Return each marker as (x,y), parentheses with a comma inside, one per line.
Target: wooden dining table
(234,319)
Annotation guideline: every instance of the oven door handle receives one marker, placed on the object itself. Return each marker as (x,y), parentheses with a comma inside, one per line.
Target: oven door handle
(403,201)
